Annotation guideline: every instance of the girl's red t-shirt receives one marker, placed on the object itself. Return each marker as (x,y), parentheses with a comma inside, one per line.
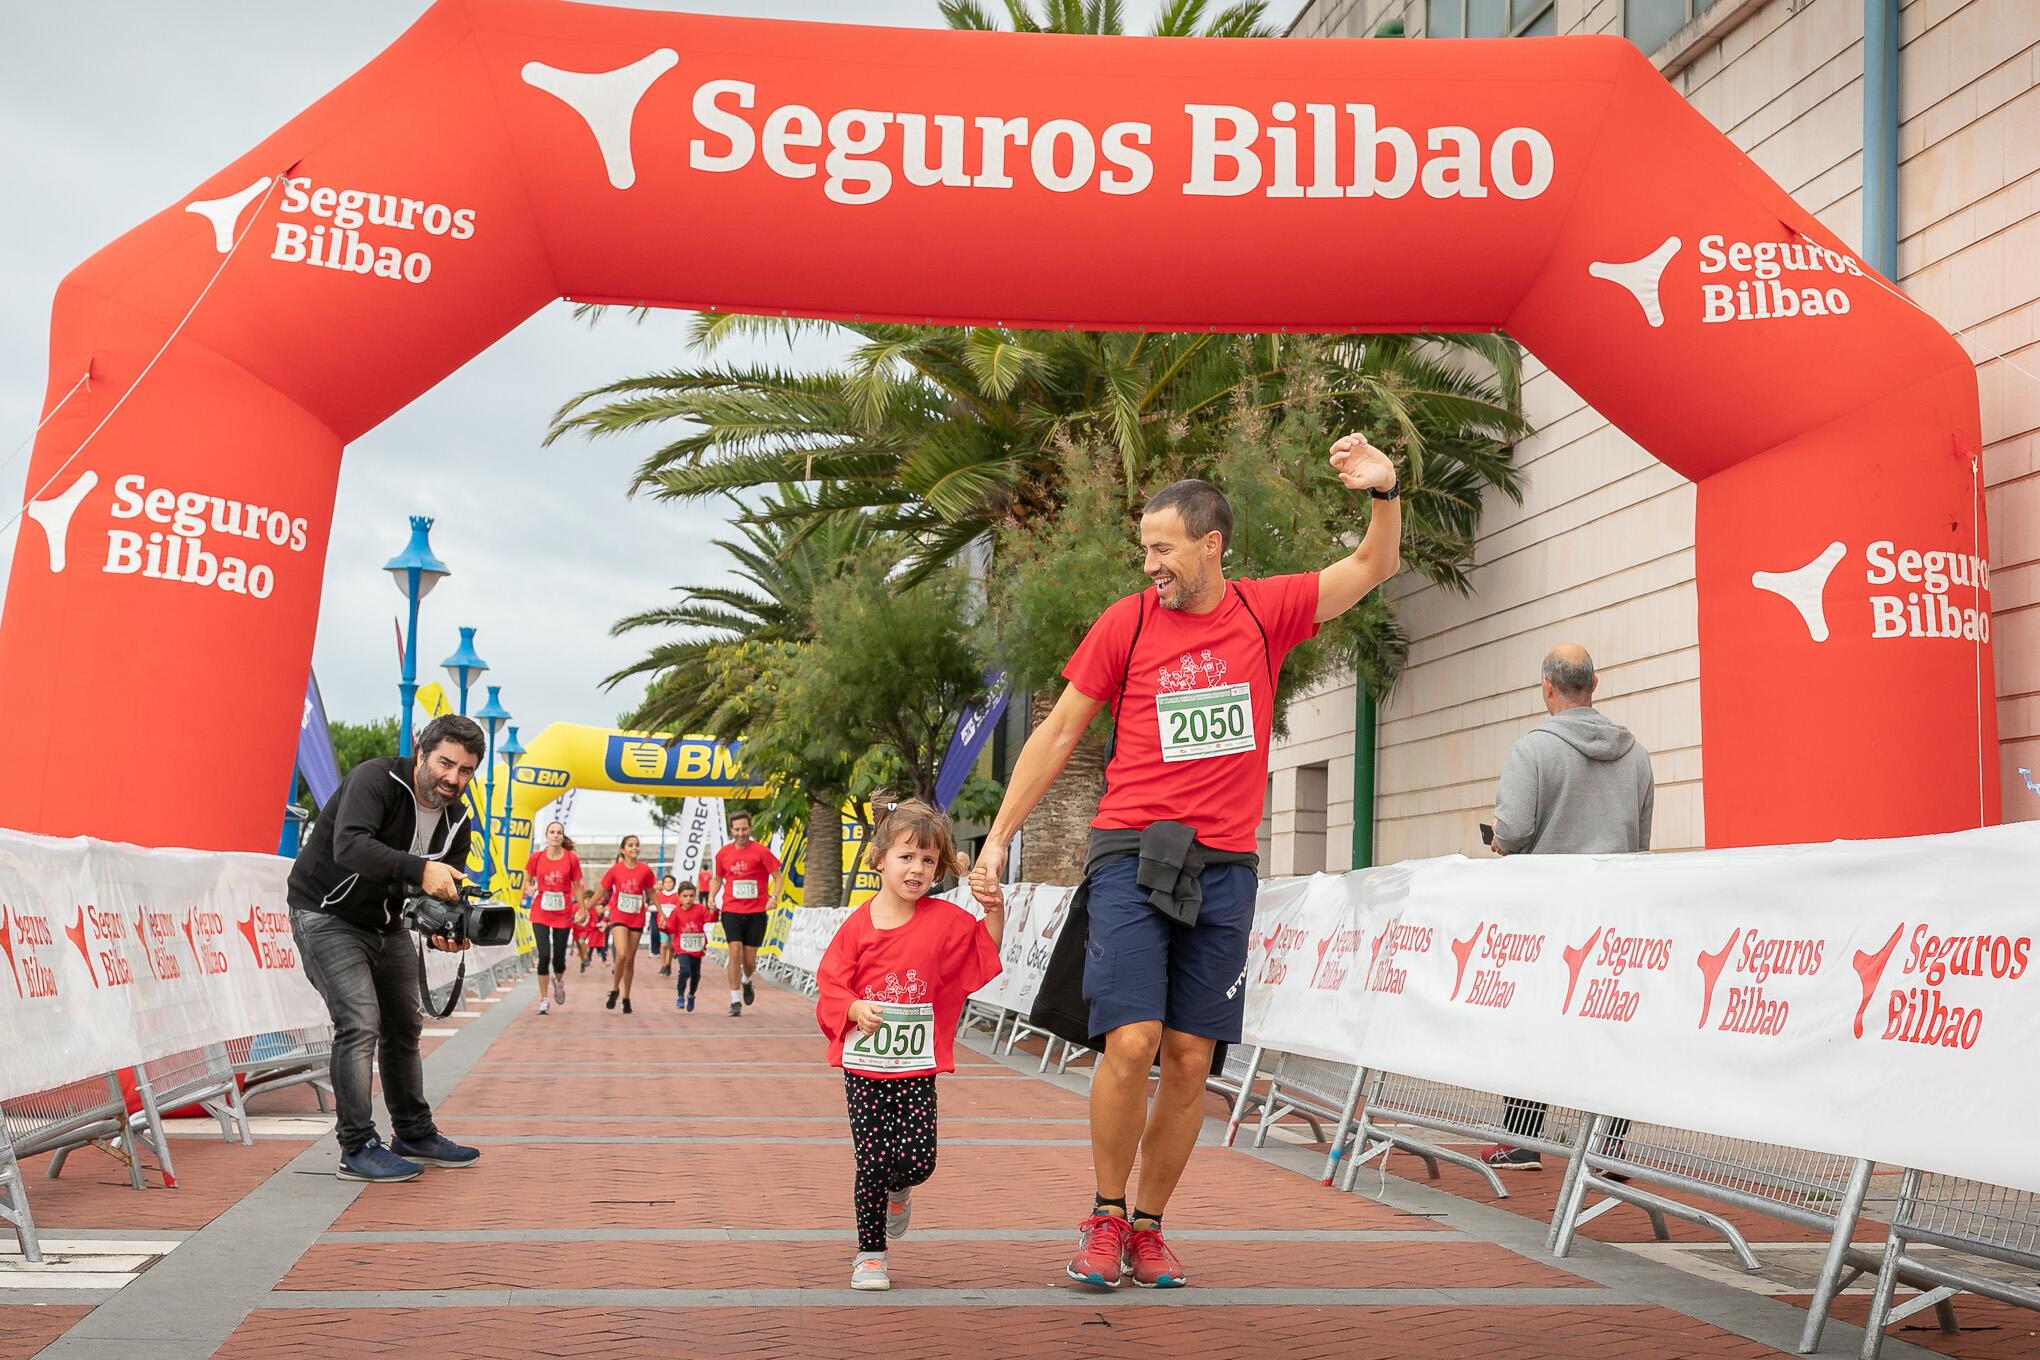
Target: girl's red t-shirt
(545,875)
(938,957)
(625,890)
(689,921)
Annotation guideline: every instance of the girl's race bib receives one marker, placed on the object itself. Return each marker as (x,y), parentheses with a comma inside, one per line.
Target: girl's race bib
(903,1042)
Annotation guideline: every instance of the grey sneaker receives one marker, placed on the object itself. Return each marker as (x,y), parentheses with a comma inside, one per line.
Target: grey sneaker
(899,1212)
(1511,1159)
(869,1272)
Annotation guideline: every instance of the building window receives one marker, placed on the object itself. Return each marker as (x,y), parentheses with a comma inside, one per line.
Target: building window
(1651,23)
(1492,18)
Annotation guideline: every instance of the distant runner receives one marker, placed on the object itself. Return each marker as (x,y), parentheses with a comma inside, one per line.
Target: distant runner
(747,877)
(626,890)
(553,877)
(688,928)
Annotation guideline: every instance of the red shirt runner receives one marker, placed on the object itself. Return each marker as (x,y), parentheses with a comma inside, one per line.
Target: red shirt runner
(936,959)
(552,887)
(1198,706)
(745,870)
(685,921)
(625,890)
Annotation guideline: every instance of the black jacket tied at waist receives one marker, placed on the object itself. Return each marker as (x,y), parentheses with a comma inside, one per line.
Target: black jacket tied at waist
(1171,864)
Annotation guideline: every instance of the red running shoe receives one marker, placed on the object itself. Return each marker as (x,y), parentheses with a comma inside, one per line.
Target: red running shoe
(1154,1265)
(1101,1251)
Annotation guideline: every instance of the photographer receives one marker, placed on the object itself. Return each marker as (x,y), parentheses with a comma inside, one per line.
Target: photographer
(398,827)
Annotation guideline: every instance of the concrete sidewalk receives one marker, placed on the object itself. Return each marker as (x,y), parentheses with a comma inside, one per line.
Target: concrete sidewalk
(662,1184)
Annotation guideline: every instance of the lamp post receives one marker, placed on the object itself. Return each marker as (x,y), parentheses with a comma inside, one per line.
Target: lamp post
(415,570)
(512,751)
(464,665)
(492,715)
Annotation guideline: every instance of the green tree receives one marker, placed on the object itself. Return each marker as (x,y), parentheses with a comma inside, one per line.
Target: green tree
(356,742)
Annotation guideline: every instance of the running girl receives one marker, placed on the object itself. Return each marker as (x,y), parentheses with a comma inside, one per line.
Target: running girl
(687,927)
(553,876)
(655,925)
(591,930)
(893,983)
(626,887)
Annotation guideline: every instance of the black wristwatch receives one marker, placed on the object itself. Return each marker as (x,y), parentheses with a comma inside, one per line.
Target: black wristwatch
(1393,492)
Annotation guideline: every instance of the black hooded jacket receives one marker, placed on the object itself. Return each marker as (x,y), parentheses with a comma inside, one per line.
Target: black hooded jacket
(358,864)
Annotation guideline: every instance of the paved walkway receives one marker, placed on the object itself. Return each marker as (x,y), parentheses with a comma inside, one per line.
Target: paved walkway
(666,1184)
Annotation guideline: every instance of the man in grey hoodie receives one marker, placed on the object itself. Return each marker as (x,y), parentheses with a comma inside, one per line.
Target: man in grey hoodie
(1575,784)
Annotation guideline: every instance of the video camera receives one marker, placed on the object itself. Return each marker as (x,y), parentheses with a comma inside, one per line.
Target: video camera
(474,919)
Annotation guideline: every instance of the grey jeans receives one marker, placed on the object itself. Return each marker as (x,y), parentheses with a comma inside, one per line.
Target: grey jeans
(370,983)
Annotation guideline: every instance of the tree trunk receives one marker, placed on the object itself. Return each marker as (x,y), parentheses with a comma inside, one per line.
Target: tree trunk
(824,866)
(1053,839)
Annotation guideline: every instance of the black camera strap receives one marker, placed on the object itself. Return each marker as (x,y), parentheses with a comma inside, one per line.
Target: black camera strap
(425,988)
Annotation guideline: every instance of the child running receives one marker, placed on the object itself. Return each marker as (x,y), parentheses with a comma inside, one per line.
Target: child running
(893,983)
(626,888)
(687,929)
(591,928)
(656,929)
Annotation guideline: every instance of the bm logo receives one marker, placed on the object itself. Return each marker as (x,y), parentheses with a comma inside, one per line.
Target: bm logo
(691,760)
(542,776)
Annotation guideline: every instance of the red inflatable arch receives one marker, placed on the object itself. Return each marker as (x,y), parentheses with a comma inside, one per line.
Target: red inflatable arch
(504,153)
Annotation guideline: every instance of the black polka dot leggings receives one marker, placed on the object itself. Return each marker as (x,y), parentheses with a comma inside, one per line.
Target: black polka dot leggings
(892,1127)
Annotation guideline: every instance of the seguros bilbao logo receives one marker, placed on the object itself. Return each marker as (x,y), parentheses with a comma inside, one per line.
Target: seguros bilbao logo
(1921,1012)
(1917,600)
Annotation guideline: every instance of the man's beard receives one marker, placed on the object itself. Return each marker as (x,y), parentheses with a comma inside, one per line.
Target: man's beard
(1187,591)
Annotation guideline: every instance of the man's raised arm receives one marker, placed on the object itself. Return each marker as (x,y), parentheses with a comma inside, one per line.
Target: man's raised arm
(1362,467)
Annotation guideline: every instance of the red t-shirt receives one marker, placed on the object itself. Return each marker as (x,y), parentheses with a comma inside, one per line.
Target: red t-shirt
(543,875)
(939,958)
(620,881)
(752,865)
(689,921)
(1190,687)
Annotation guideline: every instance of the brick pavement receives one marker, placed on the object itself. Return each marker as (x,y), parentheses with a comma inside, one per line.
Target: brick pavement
(604,1220)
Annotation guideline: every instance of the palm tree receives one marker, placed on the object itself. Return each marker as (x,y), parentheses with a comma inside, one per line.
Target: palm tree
(939,434)
(1178,18)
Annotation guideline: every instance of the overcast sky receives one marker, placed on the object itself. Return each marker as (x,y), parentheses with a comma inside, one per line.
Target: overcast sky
(110,111)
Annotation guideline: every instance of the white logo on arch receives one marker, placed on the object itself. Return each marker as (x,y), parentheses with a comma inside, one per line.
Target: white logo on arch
(54,515)
(607,101)
(1806,588)
(1641,278)
(225,213)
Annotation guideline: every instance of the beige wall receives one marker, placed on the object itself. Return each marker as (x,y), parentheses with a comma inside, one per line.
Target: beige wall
(1601,550)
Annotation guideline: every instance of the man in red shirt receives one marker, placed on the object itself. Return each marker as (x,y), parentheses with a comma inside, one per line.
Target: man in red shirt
(1189,670)
(747,876)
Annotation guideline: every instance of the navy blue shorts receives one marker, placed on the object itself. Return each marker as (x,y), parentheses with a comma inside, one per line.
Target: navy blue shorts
(1141,965)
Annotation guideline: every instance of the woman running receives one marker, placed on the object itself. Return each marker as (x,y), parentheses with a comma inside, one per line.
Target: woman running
(553,875)
(626,888)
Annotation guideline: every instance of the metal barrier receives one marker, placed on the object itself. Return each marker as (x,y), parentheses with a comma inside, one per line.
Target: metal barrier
(1966,1217)
(1394,1104)
(1313,1089)
(198,1076)
(14,1209)
(272,1061)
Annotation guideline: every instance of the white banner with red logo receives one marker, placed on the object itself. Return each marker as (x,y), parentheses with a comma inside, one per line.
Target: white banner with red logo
(1867,998)
(116,955)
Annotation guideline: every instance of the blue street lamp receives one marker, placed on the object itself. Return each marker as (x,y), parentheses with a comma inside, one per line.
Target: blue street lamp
(415,570)
(464,665)
(512,751)
(492,715)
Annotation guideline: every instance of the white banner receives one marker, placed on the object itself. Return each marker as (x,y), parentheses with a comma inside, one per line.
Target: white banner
(117,955)
(701,831)
(1864,998)
(808,932)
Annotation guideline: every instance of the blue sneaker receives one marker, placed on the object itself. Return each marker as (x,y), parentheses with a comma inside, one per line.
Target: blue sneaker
(679,1003)
(374,1162)
(438,1150)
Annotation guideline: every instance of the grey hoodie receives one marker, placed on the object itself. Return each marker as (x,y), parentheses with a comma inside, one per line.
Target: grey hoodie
(1575,784)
